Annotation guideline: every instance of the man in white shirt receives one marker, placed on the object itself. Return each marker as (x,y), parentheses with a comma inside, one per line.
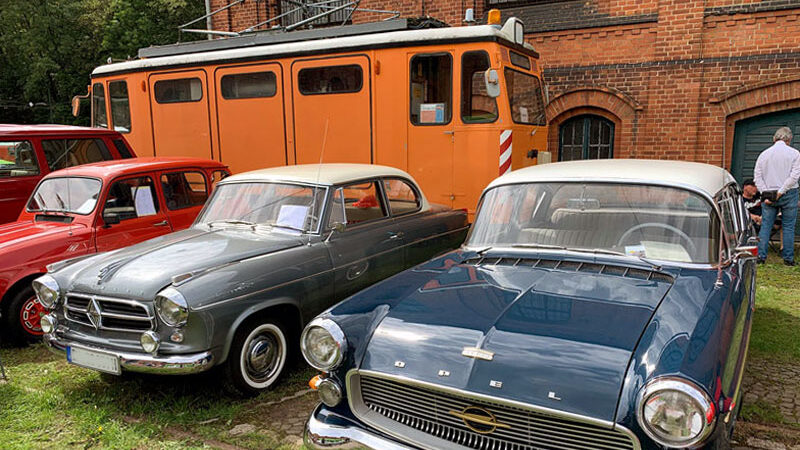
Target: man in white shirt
(776,174)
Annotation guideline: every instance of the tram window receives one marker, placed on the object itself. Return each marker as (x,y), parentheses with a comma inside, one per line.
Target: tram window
(99,118)
(476,104)
(249,85)
(330,80)
(520,60)
(180,90)
(431,89)
(120,106)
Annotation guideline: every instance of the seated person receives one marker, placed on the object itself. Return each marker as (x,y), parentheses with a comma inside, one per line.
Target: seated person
(752,201)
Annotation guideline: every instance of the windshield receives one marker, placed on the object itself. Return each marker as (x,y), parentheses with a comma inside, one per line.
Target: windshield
(655,222)
(525,98)
(67,194)
(278,205)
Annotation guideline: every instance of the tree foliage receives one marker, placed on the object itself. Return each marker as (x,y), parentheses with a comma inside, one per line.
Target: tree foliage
(48,48)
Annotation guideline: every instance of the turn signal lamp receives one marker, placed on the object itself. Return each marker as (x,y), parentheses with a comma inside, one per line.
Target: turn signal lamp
(494,17)
(314,382)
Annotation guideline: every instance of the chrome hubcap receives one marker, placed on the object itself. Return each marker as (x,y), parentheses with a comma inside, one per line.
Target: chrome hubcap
(263,356)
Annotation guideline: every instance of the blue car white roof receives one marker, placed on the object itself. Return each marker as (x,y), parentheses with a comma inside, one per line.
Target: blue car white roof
(699,177)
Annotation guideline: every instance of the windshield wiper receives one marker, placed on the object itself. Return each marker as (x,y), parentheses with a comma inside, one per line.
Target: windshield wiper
(231,222)
(544,246)
(598,250)
(288,227)
(43,206)
(61,202)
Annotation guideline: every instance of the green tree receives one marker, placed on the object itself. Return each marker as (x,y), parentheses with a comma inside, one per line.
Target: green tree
(48,48)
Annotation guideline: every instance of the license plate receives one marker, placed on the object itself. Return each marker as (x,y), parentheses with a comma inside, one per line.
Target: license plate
(93,360)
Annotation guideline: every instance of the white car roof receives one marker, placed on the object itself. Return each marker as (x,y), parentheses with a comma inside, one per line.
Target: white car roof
(322,174)
(699,177)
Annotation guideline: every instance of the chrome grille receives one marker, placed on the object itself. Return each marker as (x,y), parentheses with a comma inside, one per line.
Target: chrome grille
(114,314)
(429,410)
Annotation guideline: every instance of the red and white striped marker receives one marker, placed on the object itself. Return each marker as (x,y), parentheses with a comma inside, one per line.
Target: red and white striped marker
(505,152)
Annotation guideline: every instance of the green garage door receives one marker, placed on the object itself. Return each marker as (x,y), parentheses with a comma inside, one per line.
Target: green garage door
(754,135)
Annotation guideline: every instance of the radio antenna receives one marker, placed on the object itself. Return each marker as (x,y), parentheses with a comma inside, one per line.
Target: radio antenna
(319,172)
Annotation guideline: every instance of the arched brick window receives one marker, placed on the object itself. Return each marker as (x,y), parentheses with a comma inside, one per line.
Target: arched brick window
(586,137)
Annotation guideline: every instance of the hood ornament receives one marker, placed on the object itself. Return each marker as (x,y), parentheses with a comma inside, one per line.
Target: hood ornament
(477,353)
(478,419)
(106,272)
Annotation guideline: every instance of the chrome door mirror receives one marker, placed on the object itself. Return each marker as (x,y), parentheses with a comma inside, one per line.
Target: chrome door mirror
(339,227)
(492,80)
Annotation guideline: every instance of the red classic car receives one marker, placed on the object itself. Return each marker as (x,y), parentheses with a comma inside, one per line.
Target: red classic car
(94,208)
(29,152)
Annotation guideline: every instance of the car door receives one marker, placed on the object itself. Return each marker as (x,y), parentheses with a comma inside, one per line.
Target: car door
(371,247)
(19,173)
(185,192)
(131,213)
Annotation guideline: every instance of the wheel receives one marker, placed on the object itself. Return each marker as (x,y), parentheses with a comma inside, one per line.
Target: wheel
(23,318)
(257,357)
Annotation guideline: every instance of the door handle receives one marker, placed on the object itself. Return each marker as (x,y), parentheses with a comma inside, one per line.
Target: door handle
(163,223)
(395,235)
(449,132)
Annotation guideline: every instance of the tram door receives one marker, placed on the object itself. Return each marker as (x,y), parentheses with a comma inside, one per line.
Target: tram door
(181,122)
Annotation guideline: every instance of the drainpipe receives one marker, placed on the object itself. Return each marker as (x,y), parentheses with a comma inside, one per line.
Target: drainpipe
(208,19)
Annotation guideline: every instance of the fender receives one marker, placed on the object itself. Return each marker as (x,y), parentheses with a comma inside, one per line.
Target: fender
(254,310)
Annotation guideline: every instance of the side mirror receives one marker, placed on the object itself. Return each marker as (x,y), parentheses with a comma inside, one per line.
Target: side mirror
(76,102)
(492,83)
(339,227)
(110,218)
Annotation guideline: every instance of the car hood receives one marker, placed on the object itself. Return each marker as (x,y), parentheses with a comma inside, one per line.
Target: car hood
(22,232)
(142,270)
(559,339)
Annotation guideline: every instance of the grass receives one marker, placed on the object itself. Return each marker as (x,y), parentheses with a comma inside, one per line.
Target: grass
(51,404)
(48,403)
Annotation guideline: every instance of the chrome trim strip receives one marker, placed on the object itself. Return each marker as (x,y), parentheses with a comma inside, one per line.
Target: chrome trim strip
(142,362)
(354,396)
(322,435)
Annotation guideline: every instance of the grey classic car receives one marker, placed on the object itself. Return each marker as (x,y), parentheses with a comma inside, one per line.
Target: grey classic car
(270,250)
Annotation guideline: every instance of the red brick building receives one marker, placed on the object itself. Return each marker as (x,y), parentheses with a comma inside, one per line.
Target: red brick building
(707,80)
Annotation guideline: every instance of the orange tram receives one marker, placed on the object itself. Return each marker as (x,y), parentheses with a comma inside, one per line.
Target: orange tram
(454,107)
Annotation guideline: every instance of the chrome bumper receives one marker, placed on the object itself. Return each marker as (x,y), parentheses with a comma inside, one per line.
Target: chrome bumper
(326,430)
(143,362)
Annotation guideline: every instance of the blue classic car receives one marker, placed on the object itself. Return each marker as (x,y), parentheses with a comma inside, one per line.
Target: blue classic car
(595,305)
(270,250)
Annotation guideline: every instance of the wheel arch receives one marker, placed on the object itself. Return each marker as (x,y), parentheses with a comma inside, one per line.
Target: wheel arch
(286,310)
(16,287)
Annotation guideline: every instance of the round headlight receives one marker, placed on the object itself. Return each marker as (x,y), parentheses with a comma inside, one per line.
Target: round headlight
(49,323)
(675,412)
(323,344)
(150,341)
(47,290)
(172,307)
(329,392)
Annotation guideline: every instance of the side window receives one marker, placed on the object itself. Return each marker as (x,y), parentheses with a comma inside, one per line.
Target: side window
(330,80)
(178,91)
(431,89)
(61,153)
(248,85)
(99,118)
(123,150)
(362,203)
(217,176)
(184,189)
(402,197)
(525,97)
(132,198)
(120,106)
(17,159)
(476,105)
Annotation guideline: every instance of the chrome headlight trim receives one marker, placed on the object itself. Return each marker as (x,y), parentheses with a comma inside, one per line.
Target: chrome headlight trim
(49,323)
(172,307)
(701,399)
(336,333)
(47,290)
(150,342)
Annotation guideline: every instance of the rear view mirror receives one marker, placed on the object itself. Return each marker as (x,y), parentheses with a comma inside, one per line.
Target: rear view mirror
(110,218)
(492,83)
(339,227)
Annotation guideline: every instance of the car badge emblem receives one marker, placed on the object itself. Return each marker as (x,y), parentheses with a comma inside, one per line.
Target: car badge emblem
(552,396)
(399,364)
(496,384)
(477,353)
(479,420)
(444,373)
(93,313)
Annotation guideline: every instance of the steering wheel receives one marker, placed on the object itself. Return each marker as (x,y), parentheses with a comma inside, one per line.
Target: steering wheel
(677,231)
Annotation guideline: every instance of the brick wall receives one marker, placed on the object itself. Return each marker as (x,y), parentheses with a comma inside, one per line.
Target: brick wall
(673,75)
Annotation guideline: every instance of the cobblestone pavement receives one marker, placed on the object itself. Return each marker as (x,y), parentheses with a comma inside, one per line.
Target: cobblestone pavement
(773,386)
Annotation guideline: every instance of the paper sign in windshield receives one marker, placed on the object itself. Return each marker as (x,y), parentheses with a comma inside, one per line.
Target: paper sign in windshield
(293,216)
(143,201)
